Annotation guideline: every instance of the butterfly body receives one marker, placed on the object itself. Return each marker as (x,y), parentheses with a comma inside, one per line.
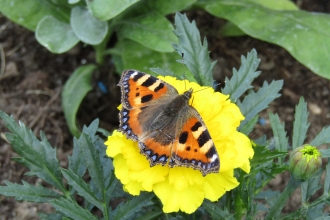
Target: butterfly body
(168,130)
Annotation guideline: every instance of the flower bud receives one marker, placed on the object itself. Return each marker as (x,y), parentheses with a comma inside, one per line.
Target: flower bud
(304,162)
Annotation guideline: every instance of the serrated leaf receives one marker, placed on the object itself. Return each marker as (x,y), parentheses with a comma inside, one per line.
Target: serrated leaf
(92,161)
(28,13)
(105,9)
(81,187)
(326,186)
(241,80)
(309,187)
(196,54)
(38,156)
(135,56)
(52,216)
(76,161)
(262,155)
(315,212)
(288,29)
(279,132)
(86,27)
(254,103)
(151,30)
(300,125)
(215,211)
(322,138)
(57,36)
(28,192)
(75,89)
(130,207)
(151,215)
(248,127)
(325,153)
(71,210)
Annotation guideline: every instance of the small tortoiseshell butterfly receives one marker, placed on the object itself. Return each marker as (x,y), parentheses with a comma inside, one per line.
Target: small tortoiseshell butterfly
(168,130)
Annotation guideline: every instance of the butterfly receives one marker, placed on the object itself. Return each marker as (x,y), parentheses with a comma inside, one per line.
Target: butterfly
(168,130)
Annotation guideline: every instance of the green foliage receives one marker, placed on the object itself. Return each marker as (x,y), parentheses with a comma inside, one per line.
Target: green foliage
(290,29)
(75,89)
(145,36)
(88,154)
(144,39)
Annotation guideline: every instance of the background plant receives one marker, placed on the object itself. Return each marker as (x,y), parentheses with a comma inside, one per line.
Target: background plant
(88,155)
(145,34)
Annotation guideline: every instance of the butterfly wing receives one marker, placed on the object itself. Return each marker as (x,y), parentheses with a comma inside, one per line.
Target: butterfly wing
(194,146)
(141,92)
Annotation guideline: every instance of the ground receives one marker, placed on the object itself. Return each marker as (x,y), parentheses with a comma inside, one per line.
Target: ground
(33,78)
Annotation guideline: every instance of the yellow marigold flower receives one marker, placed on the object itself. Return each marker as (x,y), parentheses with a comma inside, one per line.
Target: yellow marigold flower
(175,186)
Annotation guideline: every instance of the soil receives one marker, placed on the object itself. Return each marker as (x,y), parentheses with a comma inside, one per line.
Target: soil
(33,79)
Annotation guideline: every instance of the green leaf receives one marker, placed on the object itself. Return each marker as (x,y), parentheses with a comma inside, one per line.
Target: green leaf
(81,187)
(196,55)
(300,125)
(135,56)
(316,212)
(325,153)
(150,215)
(27,192)
(263,155)
(37,155)
(327,179)
(86,27)
(288,29)
(161,7)
(322,138)
(92,161)
(276,5)
(215,211)
(248,127)
(55,35)
(71,210)
(241,81)
(107,9)
(281,140)
(75,89)
(254,103)
(52,216)
(231,30)
(132,206)
(28,13)
(151,30)
(309,187)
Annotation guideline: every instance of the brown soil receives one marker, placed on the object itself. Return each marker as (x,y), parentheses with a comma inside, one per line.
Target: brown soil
(33,79)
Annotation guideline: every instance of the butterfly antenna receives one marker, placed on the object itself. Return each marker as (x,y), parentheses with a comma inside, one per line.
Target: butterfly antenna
(184,69)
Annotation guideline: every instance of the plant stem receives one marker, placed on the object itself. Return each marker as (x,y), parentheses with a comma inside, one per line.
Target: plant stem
(281,201)
(100,48)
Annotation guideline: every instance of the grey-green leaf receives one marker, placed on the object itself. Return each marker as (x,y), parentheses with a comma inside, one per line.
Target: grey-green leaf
(327,179)
(81,187)
(309,187)
(37,155)
(151,30)
(215,211)
(248,127)
(74,91)
(132,206)
(299,32)
(28,192)
(72,210)
(136,56)
(196,54)
(256,102)
(300,125)
(322,138)
(281,140)
(57,36)
(242,79)
(28,13)
(92,161)
(86,27)
(107,9)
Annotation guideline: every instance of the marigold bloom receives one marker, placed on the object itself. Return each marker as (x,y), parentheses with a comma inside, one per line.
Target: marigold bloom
(175,186)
